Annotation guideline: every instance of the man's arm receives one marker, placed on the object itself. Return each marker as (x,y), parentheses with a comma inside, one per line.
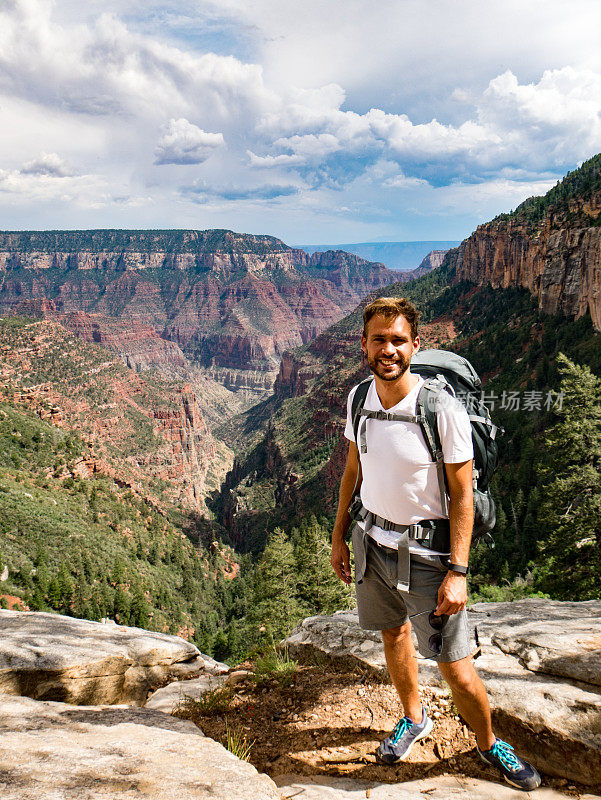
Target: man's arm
(452,595)
(341,561)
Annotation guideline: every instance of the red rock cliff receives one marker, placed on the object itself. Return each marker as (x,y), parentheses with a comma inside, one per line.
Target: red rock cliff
(558,258)
(224,301)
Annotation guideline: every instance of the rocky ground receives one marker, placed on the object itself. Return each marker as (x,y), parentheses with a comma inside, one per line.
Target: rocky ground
(322,722)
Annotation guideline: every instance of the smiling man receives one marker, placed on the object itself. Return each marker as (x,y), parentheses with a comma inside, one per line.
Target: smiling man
(400,574)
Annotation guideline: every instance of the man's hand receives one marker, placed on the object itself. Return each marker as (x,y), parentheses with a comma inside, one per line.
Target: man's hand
(452,594)
(341,561)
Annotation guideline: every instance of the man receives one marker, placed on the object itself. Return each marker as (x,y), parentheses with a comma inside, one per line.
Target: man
(397,579)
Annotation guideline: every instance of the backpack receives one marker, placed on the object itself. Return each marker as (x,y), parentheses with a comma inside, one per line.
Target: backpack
(448,372)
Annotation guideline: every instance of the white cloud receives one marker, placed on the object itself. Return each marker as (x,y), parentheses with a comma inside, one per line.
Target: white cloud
(47,164)
(105,69)
(383,110)
(82,190)
(184,143)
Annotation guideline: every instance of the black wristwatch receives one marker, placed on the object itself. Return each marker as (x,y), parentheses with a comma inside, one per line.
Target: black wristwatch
(458,568)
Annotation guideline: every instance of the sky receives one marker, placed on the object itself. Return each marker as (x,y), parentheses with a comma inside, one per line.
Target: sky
(324,121)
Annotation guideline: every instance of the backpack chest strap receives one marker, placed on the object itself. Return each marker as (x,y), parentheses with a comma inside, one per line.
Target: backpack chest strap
(381,415)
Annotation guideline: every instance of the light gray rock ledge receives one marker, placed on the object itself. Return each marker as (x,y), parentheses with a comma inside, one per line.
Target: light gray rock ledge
(540,662)
(53,657)
(55,751)
(442,787)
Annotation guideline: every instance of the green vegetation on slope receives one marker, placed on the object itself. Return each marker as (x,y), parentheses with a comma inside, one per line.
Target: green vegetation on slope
(141,241)
(578,185)
(90,549)
(293,579)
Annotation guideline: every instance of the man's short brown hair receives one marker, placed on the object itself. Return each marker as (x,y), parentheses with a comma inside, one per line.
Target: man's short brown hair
(391,308)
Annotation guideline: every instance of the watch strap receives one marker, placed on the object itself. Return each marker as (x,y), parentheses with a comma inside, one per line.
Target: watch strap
(458,568)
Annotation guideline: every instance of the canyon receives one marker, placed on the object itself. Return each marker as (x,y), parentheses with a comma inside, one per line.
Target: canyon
(187,303)
(142,431)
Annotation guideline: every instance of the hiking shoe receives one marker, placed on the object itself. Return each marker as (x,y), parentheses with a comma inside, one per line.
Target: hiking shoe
(516,771)
(396,747)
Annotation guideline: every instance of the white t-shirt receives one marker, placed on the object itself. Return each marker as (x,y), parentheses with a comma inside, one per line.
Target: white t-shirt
(400,482)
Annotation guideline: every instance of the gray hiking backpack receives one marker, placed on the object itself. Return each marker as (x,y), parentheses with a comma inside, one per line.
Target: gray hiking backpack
(448,373)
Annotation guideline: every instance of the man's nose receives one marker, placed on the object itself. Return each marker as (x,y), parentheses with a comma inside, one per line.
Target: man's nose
(388,348)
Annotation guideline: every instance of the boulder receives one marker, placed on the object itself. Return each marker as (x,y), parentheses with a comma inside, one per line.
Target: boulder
(556,638)
(55,751)
(174,695)
(538,663)
(52,657)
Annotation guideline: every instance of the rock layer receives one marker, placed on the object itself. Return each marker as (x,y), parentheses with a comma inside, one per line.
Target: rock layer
(558,258)
(223,300)
(52,657)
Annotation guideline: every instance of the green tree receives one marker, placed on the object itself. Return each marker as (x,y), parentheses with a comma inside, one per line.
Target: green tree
(121,606)
(570,497)
(275,606)
(139,613)
(320,590)
(54,593)
(66,588)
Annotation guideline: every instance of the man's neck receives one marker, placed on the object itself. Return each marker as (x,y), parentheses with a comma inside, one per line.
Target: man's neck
(392,392)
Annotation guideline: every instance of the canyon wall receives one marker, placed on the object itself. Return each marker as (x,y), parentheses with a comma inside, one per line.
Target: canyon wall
(226,302)
(557,257)
(141,431)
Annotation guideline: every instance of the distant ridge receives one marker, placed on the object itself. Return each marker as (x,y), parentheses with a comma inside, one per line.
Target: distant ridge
(173,240)
(394,255)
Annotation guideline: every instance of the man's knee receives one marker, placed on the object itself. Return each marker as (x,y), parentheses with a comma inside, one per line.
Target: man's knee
(460,675)
(393,636)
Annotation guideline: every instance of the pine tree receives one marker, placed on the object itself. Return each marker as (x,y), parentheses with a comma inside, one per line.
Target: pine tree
(275,606)
(121,606)
(139,613)
(570,505)
(118,572)
(54,593)
(66,588)
(320,590)
(530,527)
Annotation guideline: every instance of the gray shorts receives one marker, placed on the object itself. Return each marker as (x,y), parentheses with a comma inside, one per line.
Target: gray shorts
(382,606)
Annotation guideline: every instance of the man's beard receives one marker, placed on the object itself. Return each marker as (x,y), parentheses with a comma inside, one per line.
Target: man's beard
(401,363)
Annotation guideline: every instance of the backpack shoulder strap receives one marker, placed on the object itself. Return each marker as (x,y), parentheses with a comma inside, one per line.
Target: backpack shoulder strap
(358,403)
(426,413)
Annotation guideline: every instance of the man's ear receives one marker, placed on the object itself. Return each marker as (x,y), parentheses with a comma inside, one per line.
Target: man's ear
(363,343)
(416,344)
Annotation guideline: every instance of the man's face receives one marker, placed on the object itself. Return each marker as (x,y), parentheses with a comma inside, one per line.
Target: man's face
(389,346)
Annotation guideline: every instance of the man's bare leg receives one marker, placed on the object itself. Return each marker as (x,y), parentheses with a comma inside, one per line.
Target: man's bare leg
(402,665)
(469,695)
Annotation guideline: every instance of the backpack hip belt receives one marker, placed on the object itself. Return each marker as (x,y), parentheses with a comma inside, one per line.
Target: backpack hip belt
(435,534)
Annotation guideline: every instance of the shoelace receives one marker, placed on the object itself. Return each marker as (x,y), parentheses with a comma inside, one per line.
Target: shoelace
(504,752)
(400,728)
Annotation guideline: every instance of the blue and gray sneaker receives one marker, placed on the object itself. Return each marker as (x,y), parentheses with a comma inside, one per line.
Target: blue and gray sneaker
(516,771)
(396,747)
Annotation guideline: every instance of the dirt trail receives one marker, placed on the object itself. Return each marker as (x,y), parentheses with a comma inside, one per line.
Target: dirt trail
(325,723)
